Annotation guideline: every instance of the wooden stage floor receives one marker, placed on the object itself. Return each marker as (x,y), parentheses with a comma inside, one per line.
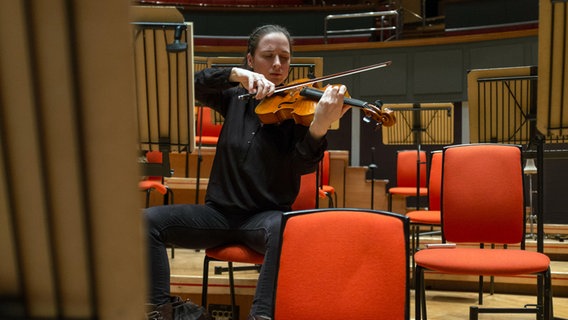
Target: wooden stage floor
(187,268)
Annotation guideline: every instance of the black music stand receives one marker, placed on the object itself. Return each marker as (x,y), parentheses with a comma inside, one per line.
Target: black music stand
(418,124)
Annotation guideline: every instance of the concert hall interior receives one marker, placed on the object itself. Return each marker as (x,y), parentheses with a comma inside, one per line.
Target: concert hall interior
(98,121)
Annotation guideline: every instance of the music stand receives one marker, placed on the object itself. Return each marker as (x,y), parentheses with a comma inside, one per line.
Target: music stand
(163,59)
(418,124)
(502,109)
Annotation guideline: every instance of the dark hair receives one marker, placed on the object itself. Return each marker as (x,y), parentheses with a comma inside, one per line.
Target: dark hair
(260,32)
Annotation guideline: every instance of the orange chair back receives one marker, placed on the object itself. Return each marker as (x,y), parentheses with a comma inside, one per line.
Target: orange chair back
(406,167)
(343,264)
(435,181)
(210,129)
(482,194)
(324,169)
(154,157)
(306,198)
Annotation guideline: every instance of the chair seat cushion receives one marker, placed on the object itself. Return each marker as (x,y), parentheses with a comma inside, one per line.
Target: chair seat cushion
(486,262)
(235,253)
(208,140)
(327,189)
(151,184)
(408,191)
(425,217)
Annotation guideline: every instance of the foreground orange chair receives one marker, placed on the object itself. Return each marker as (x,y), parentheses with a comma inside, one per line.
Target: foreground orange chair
(406,175)
(483,202)
(338,264)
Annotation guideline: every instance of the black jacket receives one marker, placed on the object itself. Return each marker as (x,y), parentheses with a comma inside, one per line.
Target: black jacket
(257,167)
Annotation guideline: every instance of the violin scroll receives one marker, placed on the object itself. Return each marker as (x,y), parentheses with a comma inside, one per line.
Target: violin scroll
(382,116)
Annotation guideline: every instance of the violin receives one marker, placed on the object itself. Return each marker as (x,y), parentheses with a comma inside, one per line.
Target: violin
(298,101)
(300,105)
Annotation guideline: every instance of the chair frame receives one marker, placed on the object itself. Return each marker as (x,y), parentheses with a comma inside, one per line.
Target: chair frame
(415,226)
(304,201)
(230,269)
(544,307)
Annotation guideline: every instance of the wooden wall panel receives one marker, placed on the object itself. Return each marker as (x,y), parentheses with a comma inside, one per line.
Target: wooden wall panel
(72,233)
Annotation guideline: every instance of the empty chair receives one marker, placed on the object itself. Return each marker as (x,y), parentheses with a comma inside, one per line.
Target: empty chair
(343,264)
(327,189)
(483,202)
(155,183)
(432,216)
(207,131)
(407,164)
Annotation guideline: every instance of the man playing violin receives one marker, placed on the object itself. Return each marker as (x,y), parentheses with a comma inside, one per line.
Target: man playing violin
(256,171)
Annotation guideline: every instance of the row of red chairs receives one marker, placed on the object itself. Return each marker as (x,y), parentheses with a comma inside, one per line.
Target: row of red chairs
(482,200)
(483,203)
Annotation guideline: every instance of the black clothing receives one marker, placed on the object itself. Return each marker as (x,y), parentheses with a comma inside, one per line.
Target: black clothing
(255,177)
(257,166)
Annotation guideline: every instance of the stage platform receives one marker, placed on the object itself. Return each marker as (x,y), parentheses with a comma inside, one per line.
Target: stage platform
(449,297)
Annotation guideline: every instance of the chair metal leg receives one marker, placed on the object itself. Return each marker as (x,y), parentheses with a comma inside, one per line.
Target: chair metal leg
(480,291)
(232,290)
(169,199)
(419,294)
(543,309)
(329,200)
(548,306)
(423,289)
(205,282)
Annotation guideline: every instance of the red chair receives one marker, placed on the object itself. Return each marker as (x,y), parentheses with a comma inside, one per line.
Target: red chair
(155,183)
(343,264)
(431,217)
(239,253)
(407,164)
(207,131)
(483,202)
(327,189)
(309,193)
(229,253)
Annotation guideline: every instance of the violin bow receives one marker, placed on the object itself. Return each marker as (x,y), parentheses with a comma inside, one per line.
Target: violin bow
(324,78)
